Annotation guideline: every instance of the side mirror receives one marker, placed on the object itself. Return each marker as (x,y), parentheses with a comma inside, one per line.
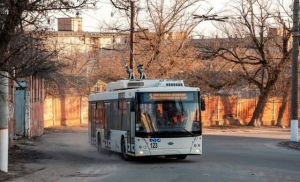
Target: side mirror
(202,104)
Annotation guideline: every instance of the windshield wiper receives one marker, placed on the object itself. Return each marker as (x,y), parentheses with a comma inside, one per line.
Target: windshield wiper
(151,134)
(192,134)
(163,132)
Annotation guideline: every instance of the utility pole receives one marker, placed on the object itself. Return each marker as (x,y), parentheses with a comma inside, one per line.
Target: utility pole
(295,53)
(3,121)
(132,17)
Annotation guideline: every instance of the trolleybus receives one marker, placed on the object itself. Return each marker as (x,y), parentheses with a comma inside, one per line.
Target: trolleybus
(147,117)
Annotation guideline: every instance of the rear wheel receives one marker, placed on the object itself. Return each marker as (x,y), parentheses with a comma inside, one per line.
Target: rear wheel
(124,153)
(181,156)
(99,148)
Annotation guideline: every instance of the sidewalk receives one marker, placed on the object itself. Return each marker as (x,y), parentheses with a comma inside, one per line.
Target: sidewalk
(249,129)
(245,128)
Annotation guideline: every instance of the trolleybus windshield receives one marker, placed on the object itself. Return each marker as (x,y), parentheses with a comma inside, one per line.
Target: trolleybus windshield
(168,114)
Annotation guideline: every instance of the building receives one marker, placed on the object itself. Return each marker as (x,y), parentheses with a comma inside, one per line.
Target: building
(25,103)
(70,108)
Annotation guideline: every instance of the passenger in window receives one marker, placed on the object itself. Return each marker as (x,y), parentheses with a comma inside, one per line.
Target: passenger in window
(178,118)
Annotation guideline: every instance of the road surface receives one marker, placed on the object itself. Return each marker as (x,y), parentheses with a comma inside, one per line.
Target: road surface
(228,155)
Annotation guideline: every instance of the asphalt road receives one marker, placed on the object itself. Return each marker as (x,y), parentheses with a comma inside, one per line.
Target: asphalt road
(228,155)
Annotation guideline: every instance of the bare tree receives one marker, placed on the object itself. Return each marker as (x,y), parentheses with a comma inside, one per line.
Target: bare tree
(28,55)
(31,15)
(85,65)
(258,43)
(162,30)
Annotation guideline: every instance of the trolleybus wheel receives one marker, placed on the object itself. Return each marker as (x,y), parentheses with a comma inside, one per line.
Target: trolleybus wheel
(124,154)
(181,156)
(100,150)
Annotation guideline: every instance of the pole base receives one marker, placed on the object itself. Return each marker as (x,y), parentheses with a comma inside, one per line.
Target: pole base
(294,130)
(4,149)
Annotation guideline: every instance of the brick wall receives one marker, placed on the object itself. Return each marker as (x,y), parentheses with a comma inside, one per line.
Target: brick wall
(225,109)
(222,109)
(72,110)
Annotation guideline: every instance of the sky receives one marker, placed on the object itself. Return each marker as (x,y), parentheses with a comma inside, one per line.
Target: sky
(93,19)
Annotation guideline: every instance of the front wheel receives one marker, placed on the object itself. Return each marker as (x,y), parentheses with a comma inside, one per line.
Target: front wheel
(124,153)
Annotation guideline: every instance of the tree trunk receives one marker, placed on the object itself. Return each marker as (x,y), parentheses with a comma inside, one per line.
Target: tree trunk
(280,114)
(262,100)
(284,104)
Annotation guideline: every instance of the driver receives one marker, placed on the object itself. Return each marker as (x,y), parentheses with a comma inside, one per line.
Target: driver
(178,118)
(160,118)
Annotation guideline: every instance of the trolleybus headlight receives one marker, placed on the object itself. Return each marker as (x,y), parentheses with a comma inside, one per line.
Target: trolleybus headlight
(140,146)
(195,145)
(197,150)
(198,145)
(141,152)
(144,147)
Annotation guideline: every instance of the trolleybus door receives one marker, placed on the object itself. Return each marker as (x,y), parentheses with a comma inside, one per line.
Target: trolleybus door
(128,126)
(107,122)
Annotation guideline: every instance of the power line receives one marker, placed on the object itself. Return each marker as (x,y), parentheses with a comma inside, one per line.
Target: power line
(90,16)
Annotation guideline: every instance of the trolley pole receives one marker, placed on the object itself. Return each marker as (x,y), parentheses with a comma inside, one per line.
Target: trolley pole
(3,121)
(132,16)
(295,53)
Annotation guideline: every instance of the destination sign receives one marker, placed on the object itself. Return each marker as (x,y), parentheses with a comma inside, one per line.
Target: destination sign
(168,96)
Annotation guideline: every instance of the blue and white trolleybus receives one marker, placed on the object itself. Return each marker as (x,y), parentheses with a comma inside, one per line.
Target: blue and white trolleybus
(147,117)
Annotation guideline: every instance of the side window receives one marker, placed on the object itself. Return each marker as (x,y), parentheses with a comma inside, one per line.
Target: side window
(96,113)
(125,125)
(100,111)
(92,112)
(122,114)
(115,116)
(92,109)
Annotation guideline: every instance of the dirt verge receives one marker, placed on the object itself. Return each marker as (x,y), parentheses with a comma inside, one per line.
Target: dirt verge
(290,145)
(19,155)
